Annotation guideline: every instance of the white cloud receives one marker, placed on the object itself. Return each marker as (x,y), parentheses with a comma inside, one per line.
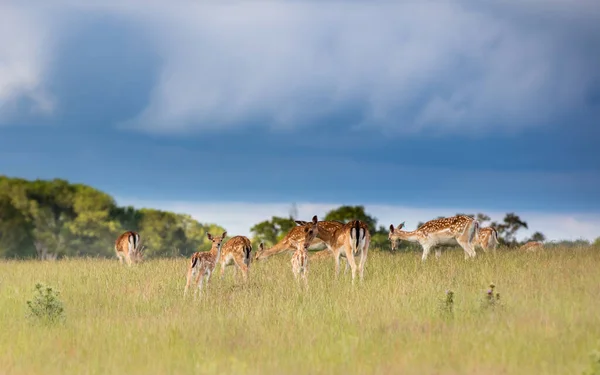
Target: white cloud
(411,66)
(238,217)
(23,58)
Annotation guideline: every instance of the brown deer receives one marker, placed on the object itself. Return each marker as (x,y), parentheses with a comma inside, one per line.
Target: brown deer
(291,241)
(128,247)
(346,240)
(532,246)
(236,251)
(300,239)
(202,264)
(486,238)
(459,229)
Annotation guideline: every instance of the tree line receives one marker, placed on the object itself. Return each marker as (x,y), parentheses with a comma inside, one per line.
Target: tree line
(54,218)
(273,230)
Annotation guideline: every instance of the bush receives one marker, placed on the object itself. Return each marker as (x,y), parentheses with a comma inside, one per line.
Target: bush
(46,306)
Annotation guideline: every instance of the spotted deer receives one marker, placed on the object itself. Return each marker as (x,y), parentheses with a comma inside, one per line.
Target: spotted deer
(532,246)
(128,247)
(348,240)
(202,263)
(299,239)
(327,225)
(291,240)
(459,229)
(236,251)
(486,238)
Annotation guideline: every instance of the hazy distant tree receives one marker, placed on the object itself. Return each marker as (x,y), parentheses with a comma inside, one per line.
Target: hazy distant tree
(347,213)
(537,236)
(272,231)
(508,229)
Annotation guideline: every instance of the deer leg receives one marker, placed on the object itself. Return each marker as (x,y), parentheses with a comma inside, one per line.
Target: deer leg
(350,258)
(239,263)
(199,281)
(305,270)
(128,259)
(363,259)
(426,248)
(223,265)
(187,283)
(469,252)
(336,255)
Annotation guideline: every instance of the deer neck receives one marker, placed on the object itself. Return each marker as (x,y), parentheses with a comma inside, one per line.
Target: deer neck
(411,236)
(279,247)
(215,251)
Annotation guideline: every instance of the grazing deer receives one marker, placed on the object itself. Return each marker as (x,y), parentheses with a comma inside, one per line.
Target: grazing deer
(320,255)
(291,241)
(486,238)
(202,263)
(236,251)
(347,240)
(459,229)
(532,246)
(300,239)
(128,246)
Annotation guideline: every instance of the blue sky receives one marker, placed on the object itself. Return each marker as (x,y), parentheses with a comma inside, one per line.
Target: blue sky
(232,112)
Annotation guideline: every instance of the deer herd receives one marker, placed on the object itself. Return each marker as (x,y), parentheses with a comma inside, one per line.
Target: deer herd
(348,240)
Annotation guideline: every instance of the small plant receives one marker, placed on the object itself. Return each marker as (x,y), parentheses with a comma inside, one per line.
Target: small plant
(594,368)
(45,305)
(448,303)
(491,300)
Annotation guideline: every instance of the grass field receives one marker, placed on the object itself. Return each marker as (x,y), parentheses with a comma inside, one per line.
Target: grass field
(135,321)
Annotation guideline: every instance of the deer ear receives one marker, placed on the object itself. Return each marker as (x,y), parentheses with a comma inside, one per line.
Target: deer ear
(224,235)
(401,225)
(391,227)
(315,219)
(261,246)
(209,236)
(301,222)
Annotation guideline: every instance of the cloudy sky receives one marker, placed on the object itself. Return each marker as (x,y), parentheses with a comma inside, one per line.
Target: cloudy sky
(232,111)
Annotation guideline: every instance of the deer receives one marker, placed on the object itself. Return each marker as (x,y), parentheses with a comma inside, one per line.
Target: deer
(348,240)
(300,256)
(459,229)
(486,238)
(330,226)
(128,247)
(236,251)
(202,263)
(300,239)
(291,240)
(532,246)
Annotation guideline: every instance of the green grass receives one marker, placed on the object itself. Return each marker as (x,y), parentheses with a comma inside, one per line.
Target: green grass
(135,321)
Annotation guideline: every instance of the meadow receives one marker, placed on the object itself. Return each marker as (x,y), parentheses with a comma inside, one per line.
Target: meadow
(135,320)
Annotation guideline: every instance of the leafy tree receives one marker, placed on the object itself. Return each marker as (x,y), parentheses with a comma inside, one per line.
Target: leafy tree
(537,236)
(15,231)
(508,229)
(346,213)
(272,231)
(597,242)
(55,218)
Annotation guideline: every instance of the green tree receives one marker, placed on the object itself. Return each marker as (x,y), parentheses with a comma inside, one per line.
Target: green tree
(508,229)
(272,231)
(346,213)
(537,236)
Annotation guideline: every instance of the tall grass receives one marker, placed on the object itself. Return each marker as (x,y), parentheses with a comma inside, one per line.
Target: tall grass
(135,320)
